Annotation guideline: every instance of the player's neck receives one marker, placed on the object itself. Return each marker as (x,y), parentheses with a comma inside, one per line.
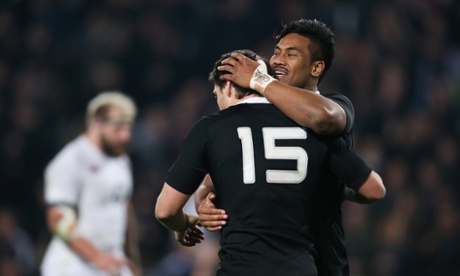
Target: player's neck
(93,137)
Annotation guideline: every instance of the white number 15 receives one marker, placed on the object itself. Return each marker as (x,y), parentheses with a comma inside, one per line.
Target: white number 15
(270,135)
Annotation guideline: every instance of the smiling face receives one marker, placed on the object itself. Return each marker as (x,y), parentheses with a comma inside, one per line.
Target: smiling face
(292,63)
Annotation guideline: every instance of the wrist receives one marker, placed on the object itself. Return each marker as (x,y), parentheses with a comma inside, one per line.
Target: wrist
(183,224)
(260,78)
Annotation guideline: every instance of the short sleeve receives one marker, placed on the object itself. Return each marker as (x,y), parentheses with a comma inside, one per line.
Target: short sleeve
(347,165)
(62,183)
(347,106)
(190,167)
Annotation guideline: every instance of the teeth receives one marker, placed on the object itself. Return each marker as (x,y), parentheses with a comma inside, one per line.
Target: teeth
(280,73)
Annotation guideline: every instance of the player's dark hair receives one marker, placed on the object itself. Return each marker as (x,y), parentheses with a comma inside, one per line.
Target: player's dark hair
(321,37)
(216,74)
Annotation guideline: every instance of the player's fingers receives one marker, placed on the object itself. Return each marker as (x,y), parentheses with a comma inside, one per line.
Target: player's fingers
(194,239)
(209,210)
(228,62)
(226,68)
(209,219)
(208,202)
(213,228)
(207,207)
(212,214)
(188,244)
(211,196)
(237,56)
(232,60)
(196,231)
(190,240)
(212,223)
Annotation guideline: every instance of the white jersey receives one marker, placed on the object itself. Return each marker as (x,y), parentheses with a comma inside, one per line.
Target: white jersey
(98,187)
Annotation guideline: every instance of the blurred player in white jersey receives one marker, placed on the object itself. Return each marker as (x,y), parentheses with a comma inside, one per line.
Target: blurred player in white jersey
(88,188)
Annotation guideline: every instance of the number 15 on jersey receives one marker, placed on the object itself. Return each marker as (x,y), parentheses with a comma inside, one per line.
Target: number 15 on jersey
(270,135)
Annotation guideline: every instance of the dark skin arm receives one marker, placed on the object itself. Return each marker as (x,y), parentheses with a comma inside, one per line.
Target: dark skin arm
(305,107)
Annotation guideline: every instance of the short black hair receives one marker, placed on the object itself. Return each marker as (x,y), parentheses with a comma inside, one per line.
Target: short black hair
(320,35)
(216,74)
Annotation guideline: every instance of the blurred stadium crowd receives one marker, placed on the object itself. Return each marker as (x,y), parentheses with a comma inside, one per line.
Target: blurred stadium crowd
(398,61)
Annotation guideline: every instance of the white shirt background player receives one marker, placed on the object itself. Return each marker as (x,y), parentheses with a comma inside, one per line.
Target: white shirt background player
(88,187)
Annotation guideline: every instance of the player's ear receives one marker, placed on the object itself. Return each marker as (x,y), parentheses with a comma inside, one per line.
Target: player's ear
(317,68)
(228,89)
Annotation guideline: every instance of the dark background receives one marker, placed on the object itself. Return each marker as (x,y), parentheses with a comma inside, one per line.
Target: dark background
(398,61)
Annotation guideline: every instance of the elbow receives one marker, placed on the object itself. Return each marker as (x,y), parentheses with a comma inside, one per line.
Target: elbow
(382,193)
(379,190)
(373,190)
(162,214)
(328,122)
(378,194)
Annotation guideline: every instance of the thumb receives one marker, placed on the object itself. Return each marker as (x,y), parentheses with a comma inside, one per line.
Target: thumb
(211,196)
(262,66)
(209,200)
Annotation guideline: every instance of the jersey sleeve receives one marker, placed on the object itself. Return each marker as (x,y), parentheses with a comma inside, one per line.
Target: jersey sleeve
(347,106)
(190,167)
(62,182)
(347,165)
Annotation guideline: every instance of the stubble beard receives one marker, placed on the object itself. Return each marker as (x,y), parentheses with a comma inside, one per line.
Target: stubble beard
(111,149)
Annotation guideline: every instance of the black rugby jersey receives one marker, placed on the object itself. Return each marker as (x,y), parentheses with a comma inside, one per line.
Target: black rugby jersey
(326,221)
(265,169)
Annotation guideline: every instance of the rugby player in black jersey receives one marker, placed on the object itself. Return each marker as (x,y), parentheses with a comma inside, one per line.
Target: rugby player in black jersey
(265,169)
(303,55)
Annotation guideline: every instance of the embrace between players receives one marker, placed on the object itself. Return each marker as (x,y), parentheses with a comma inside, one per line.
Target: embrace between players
(277,161)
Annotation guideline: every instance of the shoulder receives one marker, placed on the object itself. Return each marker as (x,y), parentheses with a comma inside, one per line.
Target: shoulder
(68,156)
(348,108)
(240,114)
(223,114)
(341,99)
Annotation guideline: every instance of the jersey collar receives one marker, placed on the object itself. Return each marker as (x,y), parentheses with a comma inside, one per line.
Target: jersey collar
(261,100)
(253,100)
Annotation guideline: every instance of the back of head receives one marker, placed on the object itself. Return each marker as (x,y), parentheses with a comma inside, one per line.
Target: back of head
(320,35)
(98,107)
(216,74)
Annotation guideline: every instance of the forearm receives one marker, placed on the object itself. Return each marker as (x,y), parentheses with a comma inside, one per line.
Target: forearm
(168,211)
(84,249)
(62,222)
(101,260)
(307,108)
(132,239)
(176,222)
